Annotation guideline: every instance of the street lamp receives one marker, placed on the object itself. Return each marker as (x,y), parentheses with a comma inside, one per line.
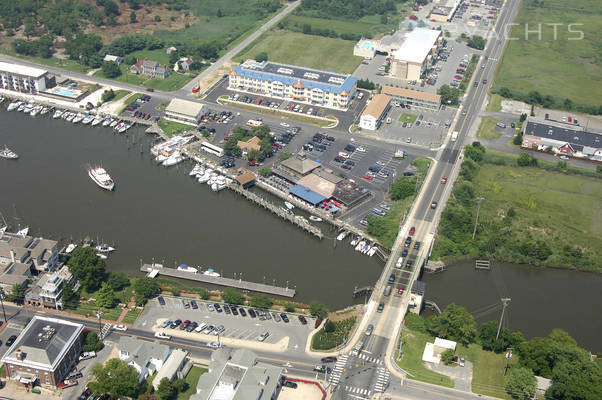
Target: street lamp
(99,314)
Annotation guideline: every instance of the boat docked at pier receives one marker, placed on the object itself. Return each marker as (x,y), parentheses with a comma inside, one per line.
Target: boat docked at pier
(102,178)
(97,120)
(186,268)
(14,105)
(70,248)
(211,272)
(8,153)
(45,110)
(342,235)
(58,113)
(315,219)
(107,121)
(104,248)
(288,205)
(78,118)
(87,119)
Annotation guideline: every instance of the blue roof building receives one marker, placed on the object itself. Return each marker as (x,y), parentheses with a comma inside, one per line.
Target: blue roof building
(305,193)
(300,84)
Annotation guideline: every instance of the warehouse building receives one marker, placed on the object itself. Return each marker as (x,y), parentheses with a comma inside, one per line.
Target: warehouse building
(375,112)
(415,54)
(184,111)
(22,79)
(415,98)
(289,82)
(44,352)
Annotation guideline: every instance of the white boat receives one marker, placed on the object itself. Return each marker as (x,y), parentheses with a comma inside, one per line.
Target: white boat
(70,248)
(360,245)
(23,232)
(314,218)
(214,186)
(101,177)
(70,117)
(58,113)
(113,123)
(87,119)
(28,107)
(186,268)
(124,128)
(21,107)
(195,170)
(107,121)
(97,120)
(14,105)
(289,205)
(78,118)
(104,248)
(173,159)
(35,111)
(211,272)
(355,240)
(372,251)
(44,110)
(204,178)
(8,153)
(101,256)
(119,125)
(342,235)
(365,249)
(161,157)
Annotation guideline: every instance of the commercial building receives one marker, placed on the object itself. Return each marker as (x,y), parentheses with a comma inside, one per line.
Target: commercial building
(176,367)
(45,352)
(21,78)
(415,54)
(184,111)
(110,57)
(48,290)
(415,98)
(299,165)
(289,82)
(444,10)
(151,69)
(238,375)
(144,356)
(432,351)
(375,112)
(245,178)
(562,138)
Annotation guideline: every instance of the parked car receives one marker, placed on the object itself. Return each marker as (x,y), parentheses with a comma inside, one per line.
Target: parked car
(412,231)
(330,359)
(263,336)
(161,300)
(11,340)
(252,313)
(284,317)
(290,384)
(166,323)
(87,355)
(369,330)
(162,335)
(302,320)
(243,313)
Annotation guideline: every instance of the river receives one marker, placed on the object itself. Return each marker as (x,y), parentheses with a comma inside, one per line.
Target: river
(163,214)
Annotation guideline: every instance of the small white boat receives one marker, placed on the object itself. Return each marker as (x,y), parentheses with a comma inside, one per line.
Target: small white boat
(214,186)
(101,256)
(21,107)
(355,240)
(113,123)
(365,249)
(70,117)
(70,248)
(78,118)
(342,235)
(289,205)
(186,268)
(360,245)
(23,232)
(204,178)
(173,159)
(104,248)
(161,157)
(45,110)
(97,120)
(119,125)
(102,178)
(35,111)
(124,128)
(211,272)
(8,153)
(28,107)
(314,218)
(372,251)
(87,119)
(107,121)
(195,170)
(58,113)
(14,105)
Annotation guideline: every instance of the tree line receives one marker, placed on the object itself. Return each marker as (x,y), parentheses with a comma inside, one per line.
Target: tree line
(347,9)
(536,98)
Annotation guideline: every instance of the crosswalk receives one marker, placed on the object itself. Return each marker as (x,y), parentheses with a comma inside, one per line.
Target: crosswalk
(339,368)
(370,359)
(382,380)
(357,390)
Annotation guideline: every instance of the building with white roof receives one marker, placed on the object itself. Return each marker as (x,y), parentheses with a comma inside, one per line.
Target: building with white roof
(374,113)
(415,54)
(22,78)
(184,111)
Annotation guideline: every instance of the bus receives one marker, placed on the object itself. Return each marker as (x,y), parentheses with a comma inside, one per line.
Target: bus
(212,149)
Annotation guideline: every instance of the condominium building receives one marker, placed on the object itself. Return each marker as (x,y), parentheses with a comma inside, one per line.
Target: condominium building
(289,82)
(416,54)
(21,78)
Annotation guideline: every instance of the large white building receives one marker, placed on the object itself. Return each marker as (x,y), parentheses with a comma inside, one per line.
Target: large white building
(184,111)
(415,54)
(289,82)
(375,112)
(22,78)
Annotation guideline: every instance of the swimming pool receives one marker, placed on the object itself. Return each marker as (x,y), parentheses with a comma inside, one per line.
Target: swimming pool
(65,92)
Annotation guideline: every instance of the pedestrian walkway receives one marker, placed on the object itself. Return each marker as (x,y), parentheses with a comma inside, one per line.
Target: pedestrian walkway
(129,306)
(356,390)
(370,359)
(382,380)
(339,368)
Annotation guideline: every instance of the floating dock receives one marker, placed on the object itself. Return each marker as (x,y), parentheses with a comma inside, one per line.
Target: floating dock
(154,269)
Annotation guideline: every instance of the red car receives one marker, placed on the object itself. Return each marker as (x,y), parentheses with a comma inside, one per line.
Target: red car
(412,231)
(413,18)
(368,177)
(400,290)
(226,138)
(150,89)
(444,180)
(252,163)
(147,116)
(457,77)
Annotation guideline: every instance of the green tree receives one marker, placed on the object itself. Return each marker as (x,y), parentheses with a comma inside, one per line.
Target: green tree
(487,339)
(107,95)
(114,377)
(521,383)
(87,267)
(204,293)
(166,390)
(145,288)
(576,378)
(232,296)
(318,310)
(196,66)
(133,18)
(93,343)
(289,307)
(219,13)
(449,95)
(518,139)
(403,188)
(475,153)
(118,280)
(329,327)
(523,116)
(181,385)
(111,69)
(284,155)
(263,56)
(262,301)
(17,294)
(157,18)
(265,171)
(69,298)
(524,160)
(448,357)
(105,297)
(454,323)
(477,42)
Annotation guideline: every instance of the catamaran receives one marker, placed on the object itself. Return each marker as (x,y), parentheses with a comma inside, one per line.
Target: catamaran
(101,177)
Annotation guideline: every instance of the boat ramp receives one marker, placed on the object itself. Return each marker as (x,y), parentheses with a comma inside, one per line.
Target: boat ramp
(153,270)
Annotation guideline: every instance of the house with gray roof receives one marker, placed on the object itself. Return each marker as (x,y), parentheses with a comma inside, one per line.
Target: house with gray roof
(238,375)
(45,352)
(48,290)
(150,68)
(144,356)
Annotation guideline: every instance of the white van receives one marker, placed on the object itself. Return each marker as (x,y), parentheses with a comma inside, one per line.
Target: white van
(200,327)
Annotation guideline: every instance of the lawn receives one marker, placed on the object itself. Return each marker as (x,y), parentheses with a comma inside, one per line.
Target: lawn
(304,50)
(323,340)
(173,82)
(90,308)
(412,347)
(495,103)
(561,68)
(67,64)
(172,128)
(192,378)
(132,315)
(487,129)
(488,373)
(339,26)
(408,118)
(119,94)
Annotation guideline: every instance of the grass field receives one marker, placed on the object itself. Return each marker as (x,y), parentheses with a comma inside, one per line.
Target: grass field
(172,128)
(304,50)
(495,103)
(488,370)
(408,118)
(487,129)
(90,308)
(119,94)
(561,68)
(192,378)
(339,26)
(132,315)
(70,65)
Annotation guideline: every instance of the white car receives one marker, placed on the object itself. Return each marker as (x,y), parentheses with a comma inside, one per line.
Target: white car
(214,345)
(284,124)
(360,149)
(399,262)
(86,355)
(121,328)
(162,335)
(201,327)
(343,154)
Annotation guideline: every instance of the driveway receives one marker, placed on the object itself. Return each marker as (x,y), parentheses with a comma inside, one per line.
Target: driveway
(462,376)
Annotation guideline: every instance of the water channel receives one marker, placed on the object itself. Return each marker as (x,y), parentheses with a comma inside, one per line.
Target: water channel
(163,214)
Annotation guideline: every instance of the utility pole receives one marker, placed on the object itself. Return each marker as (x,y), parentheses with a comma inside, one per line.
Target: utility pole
(99,314)
(2,302)
(505,302)
(474,232)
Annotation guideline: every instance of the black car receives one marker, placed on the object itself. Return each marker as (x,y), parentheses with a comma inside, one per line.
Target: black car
(191,326)
(85,395)
(404,252)
(175,324)
(242,312)
(252,313)
(284,317)
(76,375)
(408,241)
(226,309)
(409,264)
(234,310)
(290,384)
(302,320)
(350,148)
(217,307)
(326,360)
(193,304)
(161,300)
(416,245)
(330,138)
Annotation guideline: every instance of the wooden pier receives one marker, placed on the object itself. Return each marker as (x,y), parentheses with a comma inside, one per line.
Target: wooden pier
(482,264)
(156,269)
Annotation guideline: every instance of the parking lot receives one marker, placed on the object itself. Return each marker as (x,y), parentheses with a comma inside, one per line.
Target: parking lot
(246,328)
(145,106)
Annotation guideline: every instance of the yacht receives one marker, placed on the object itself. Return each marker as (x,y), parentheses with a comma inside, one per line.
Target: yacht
(28,107)
(70,117)
(161,158)
(113,123)
(355,240)
(70,248)
(78,118)
(35,111)
(342,235)
(186,268)
(97,120)
(14,105)
(289,205)
(104,248)
(58,113)
(314,218)
(107,121)
(23,232)
(360,245)
(371,252)
(101,178)
(119,125)
(204,178)
(21,107)
(8,153)
(211,272)
(45,110)
(196,170)
(124,128)
(87,119)
(174,159)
